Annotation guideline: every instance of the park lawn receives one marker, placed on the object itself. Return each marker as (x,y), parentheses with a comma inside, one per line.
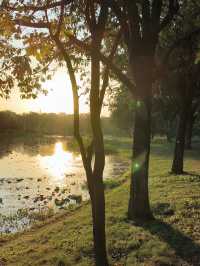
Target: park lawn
(173,238)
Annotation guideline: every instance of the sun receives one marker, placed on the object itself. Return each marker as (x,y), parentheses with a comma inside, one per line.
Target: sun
(58,100)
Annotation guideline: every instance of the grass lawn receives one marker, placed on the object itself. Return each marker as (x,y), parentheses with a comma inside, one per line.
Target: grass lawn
(172,239)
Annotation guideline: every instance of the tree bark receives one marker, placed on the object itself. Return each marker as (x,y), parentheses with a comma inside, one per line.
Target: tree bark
(139,207)
(98,215)
(98,201)
(178,160)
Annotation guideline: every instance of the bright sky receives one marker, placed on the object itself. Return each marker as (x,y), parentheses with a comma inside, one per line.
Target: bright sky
(59,98)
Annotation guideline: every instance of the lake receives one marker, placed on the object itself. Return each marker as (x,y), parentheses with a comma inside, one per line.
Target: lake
(37,175)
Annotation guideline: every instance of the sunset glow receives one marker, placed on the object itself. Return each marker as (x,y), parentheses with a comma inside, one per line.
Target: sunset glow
(58,100)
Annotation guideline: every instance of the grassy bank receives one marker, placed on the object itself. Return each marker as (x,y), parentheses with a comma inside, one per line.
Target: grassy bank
(172,239)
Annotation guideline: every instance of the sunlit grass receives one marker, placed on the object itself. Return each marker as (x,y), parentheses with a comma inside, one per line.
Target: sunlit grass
(172,239)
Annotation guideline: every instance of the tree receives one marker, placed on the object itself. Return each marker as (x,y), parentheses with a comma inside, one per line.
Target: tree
(181,87)
(141,22)
(187,97)
(54,45)
(183,41)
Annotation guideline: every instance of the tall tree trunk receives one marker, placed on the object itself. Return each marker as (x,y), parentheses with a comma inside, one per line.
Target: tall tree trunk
(95,175)
(98,202)
(177,165)
(139,207)
(98,214)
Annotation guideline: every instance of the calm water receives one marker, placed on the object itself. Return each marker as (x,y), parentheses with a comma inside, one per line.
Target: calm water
(36,176)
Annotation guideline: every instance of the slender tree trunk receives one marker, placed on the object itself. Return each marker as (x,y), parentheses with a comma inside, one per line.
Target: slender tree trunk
(95,175)
(177,165)
(139,207)
(98,214)
(98,202)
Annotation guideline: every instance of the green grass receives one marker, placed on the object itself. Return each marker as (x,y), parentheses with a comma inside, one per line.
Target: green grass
(172,239)
(112,145)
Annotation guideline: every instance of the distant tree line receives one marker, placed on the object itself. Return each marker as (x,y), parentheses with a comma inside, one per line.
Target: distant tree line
(50,123)
(164,123)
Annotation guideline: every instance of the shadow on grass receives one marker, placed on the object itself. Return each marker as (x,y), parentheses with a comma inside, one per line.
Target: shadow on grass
(184,246)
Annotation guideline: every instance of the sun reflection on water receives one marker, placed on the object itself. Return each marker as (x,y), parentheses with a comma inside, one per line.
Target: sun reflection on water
(60,163)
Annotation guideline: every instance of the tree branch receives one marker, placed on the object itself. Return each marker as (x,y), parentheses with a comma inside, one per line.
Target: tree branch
(156,13)
(62,9)
(146,27)
(77,134)
(34,8)
(107,69)
(121,76)
(85,47)
(172,11)
(121,17)
(103,17)
(134,21)
(31,24)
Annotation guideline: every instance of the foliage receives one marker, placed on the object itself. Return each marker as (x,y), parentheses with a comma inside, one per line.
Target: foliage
(17,69)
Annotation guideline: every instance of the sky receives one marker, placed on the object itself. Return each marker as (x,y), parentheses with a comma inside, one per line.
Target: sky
(58,100)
